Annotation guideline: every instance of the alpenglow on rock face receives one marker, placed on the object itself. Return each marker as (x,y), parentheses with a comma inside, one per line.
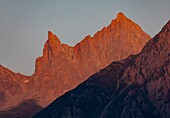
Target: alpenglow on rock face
(63,67)
(136,87)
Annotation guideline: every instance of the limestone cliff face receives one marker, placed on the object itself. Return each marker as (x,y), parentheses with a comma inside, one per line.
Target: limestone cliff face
(117,41)
(136,87)
(62,67)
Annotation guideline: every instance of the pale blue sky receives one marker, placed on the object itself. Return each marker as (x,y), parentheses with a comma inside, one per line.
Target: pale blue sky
(24,24)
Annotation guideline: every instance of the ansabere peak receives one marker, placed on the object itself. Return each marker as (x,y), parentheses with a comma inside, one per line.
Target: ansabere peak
(135,87)
(52,36)
(119,20)
(62,67)
(120,15)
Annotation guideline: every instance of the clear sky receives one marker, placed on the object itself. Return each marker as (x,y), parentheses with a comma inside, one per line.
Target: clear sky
(24,24)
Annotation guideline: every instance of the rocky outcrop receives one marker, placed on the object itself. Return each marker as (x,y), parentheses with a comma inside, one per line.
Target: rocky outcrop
(136,87)
(62,67)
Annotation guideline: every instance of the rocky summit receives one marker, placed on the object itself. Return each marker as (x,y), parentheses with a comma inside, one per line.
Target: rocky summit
(135,87)
(62,67)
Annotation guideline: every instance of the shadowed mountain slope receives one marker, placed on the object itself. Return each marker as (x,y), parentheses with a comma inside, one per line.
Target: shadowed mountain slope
(25,109)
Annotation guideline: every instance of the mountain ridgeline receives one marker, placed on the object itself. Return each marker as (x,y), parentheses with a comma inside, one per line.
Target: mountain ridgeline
(135,87)
(63,67)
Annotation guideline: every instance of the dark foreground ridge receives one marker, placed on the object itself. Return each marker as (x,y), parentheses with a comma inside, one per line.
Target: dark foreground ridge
(137,87)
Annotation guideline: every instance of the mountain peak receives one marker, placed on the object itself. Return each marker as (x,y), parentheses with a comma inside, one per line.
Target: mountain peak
(123,22)
(53,37)
(120,15)
(138,85)
(50,34)
(57,70)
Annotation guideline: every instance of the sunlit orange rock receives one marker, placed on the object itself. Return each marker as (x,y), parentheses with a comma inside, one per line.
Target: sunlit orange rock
(63,67)
(135,87)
